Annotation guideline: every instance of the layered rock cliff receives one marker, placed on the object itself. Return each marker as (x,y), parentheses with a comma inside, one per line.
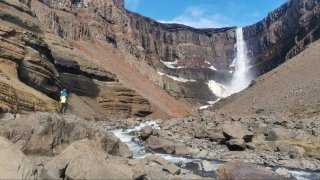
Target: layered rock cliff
(178,58)
(117,62)
(284,33)
(36,64)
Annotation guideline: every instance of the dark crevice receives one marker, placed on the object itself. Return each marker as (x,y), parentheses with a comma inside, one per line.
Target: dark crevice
(78,71)
(62,172)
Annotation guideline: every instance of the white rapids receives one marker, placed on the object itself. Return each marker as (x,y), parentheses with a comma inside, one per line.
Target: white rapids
(139,151)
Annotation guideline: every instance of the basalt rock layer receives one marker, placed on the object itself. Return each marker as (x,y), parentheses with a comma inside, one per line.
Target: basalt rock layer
(283,34)
(175,57)
(36,64)
(84,44)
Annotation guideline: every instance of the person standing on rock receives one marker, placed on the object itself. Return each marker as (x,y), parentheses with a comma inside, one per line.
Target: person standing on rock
(63,101)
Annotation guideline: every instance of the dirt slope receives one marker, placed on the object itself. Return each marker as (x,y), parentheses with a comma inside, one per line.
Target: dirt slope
(120,63)
(290,91)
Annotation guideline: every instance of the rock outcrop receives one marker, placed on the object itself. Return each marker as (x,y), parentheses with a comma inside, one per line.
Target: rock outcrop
(48,134)
(242,170)
(25,60)
(170,51)
(179,57)
(13,163)
(36,64)
(284,33)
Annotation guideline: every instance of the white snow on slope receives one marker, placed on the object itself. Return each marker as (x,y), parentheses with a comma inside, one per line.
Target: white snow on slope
(217,88)
(171,64)
(177,78)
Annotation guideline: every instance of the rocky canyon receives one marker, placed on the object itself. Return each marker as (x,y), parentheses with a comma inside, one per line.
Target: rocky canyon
(122,69)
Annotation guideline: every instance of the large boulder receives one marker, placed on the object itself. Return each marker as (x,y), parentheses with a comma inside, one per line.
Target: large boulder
(236,145)
(85,159)
(235,130)
(49,134)
(243,170)
(146,132)
(13,163)
(277,134)
(160,144)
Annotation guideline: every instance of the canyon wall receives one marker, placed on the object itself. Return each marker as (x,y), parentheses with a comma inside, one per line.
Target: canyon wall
(123,61)
(284,33)
(180,59)
(36,64)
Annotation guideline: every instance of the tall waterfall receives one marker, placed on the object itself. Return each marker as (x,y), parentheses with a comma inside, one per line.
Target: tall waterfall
(241,76)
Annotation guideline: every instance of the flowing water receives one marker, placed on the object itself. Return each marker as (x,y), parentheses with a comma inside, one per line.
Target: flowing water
(241,76)
(128,136)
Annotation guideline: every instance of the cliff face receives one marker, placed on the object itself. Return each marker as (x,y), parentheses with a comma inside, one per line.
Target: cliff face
(117,62)
(36,64)
(284,33)
(179,58)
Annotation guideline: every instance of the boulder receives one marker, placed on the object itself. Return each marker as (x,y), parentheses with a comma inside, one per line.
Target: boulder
(13,163)
(216,136)
(243,170)
(49,134)
(167,165)
(277,134)
(180,149)
(207,166)
(293,151)
(85,159)
(145,132)
(160,144)
(285,173)
(236,145)
(235,130)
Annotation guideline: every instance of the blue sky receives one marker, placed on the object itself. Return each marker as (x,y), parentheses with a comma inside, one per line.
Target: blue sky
(205,13)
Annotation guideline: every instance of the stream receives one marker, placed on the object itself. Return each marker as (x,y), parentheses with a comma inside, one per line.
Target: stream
(128,137)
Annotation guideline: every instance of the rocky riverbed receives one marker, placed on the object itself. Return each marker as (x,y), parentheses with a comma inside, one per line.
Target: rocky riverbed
(52,146)
(274,143)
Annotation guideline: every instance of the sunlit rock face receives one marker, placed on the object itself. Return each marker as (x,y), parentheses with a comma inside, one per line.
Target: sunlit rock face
(188,63)
(284,33)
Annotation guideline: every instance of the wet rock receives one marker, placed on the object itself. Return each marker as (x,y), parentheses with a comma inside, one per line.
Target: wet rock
(160,144)
(285,173)
(13,163)
(125,151)
(146,132)
(242,170)
(206,166)
(235,130)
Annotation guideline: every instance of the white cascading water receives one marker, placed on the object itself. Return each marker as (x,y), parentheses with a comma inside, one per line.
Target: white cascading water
(241,76)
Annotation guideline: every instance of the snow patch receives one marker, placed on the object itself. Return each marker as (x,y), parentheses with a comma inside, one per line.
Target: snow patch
(171,64)
(213,68)
(210,104)
(217,88)
(177,78)
(207,62)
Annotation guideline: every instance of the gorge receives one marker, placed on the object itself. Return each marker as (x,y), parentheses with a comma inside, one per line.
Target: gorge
(248,94)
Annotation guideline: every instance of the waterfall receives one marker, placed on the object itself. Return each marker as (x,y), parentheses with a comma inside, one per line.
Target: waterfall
(241,76)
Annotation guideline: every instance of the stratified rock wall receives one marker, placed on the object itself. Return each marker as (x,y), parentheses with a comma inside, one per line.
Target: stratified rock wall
(208,52)
(284,33)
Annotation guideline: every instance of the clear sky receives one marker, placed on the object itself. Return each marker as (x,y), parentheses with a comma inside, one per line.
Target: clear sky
(205,13)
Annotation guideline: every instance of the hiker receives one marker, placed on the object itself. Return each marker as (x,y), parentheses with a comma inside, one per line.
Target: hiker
(63,101)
